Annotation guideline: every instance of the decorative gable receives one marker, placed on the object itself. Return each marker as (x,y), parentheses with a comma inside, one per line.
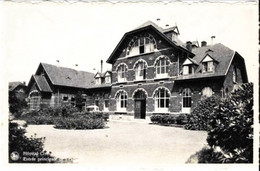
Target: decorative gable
(207,58)
(97,75)
(187,62)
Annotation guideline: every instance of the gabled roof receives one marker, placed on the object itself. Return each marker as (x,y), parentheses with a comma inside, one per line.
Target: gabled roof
(68,77)
(42,83)
(191,62)
(14,85)
(98,74)
(102,75)
(149,25)
(107,72)
(220,53)
(208,58)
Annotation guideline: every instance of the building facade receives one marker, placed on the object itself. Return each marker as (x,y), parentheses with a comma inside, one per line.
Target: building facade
(154,72)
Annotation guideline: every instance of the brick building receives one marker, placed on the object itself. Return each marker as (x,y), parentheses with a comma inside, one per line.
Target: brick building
(154,72)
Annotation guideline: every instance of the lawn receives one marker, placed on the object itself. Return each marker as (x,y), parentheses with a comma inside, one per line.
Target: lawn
(122,144)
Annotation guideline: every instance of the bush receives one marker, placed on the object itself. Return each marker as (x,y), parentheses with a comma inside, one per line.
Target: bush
(232,126)
(16,105)
(201,115)
(65,110)
(67,117)
(182,119)
(206,155)
(19,143)
(166,119)
(41,117)
(81,122)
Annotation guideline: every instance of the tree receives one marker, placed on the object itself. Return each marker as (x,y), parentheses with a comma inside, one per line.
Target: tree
(16,105)
(232,126)
(200,117)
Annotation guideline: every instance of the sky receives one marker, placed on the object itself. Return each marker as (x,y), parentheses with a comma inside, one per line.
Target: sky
(85,33)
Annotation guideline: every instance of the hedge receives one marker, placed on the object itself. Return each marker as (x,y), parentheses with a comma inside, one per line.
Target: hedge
(167,119)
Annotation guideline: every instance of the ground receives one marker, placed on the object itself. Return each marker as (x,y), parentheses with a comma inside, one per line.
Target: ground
(123,143)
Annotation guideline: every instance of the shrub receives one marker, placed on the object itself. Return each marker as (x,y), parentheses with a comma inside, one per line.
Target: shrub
(182,119)
(65,110)
(44,116)
(19,143)
(232,126)
(201,115)
(80,122)
(206,155)
(16,105)
(166,119)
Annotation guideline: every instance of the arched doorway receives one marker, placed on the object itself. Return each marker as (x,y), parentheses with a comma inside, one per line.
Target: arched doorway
(140,104)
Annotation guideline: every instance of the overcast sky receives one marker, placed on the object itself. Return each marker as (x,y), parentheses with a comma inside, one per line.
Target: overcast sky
(85,33)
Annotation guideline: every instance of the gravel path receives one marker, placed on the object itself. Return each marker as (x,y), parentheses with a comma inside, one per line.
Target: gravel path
(122,144)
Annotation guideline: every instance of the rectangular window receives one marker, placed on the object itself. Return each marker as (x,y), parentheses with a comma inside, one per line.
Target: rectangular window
(141,49)
(210,66)
(107,79)
(205,67)
(190,69)
(96,102)
(186,101)
(106,103)
(65,98)
(185,70)
(98,81)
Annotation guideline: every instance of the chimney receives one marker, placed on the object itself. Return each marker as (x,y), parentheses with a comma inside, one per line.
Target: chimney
(24,82)
(203,43)
(189,45)
(212,39)
(101,66)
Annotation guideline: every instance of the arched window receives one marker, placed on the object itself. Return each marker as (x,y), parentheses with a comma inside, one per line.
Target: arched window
(121,72)
(142,44)
(186,100)
(140,70)
(121,100)
(34,100)
(206,92)
(162,67)
(162,99)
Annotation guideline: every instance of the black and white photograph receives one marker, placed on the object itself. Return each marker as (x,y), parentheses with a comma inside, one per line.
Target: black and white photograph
(130,86)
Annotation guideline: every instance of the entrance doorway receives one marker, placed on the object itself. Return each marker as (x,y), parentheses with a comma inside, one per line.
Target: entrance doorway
(140,105)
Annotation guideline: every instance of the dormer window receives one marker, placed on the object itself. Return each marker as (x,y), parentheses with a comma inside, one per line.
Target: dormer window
(141,44)
(188,67)
(208,64)
(98,80)
(107,78)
